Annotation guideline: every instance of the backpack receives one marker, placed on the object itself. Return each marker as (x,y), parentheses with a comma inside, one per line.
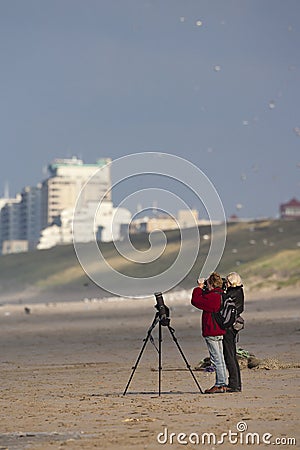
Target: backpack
(227,314)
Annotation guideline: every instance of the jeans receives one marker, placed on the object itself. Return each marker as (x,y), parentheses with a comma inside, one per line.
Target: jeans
(215,348)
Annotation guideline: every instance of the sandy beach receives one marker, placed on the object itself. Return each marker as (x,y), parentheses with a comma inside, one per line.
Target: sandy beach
(64,367)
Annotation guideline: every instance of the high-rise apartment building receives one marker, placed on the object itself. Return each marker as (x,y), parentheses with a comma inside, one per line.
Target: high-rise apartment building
(10,220)
(28,218)
(20,221)
(67,177)
(31,215)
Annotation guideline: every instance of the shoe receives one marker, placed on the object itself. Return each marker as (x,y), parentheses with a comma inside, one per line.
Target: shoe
(215,390)
(231,389)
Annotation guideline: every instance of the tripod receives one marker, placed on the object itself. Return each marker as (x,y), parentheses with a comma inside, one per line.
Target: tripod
(162,322)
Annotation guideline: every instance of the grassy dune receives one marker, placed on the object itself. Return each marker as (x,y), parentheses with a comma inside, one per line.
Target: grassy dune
(265,253)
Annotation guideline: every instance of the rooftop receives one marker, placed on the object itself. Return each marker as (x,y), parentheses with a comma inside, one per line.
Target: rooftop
(75,162)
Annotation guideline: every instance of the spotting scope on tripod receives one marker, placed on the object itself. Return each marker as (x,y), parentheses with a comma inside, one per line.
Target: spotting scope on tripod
(162,318)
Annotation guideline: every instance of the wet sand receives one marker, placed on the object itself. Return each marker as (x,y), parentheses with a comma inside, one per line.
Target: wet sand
(64,367)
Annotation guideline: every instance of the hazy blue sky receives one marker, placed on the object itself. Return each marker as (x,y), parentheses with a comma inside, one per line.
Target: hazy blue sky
(214,81)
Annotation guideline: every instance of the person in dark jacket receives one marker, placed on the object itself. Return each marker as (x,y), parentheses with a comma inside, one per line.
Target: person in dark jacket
(235,291)
(209,300)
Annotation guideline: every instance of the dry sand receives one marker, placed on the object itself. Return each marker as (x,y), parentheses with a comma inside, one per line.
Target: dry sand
(64,368)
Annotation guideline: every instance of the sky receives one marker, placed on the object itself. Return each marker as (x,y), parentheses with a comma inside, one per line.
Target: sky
(216,82)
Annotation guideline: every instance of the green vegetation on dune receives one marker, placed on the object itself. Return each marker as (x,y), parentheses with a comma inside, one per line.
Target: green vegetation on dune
(252,247)
(266,253)
(30,268)
(279,270)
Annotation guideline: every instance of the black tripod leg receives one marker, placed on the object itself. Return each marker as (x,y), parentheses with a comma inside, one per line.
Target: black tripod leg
(141,352)
(172,331)
(159,358)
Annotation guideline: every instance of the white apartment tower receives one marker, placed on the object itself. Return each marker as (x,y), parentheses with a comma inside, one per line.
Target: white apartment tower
(67,177)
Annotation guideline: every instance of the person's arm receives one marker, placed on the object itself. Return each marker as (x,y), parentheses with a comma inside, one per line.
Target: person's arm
(209,302)
(240,302)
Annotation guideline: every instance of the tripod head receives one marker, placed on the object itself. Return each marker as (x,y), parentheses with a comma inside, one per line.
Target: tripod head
(163,310)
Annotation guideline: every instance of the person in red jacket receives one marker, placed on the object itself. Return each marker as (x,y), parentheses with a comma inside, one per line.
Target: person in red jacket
(209,300)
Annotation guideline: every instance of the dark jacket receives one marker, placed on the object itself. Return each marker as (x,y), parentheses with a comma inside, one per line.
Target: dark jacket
(237,294)
(209,302)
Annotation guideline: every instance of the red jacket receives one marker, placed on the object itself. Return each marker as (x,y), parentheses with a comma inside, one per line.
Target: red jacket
(208,301)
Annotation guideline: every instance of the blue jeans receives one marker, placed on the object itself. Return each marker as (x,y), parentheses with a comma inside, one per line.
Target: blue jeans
(215,348)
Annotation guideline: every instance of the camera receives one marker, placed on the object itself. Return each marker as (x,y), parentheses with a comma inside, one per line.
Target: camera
(163,310)
(224,285)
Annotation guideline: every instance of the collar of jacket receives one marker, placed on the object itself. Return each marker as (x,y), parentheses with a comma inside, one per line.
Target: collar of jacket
(217,290)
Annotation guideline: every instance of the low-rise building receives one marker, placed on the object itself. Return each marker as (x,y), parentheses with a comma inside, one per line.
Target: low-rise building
(290,210)
(93,221)
(148,224)
(186,218)
(14,246)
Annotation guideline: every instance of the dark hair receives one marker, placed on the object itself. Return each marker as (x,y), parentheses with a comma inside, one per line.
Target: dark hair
(215,280)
